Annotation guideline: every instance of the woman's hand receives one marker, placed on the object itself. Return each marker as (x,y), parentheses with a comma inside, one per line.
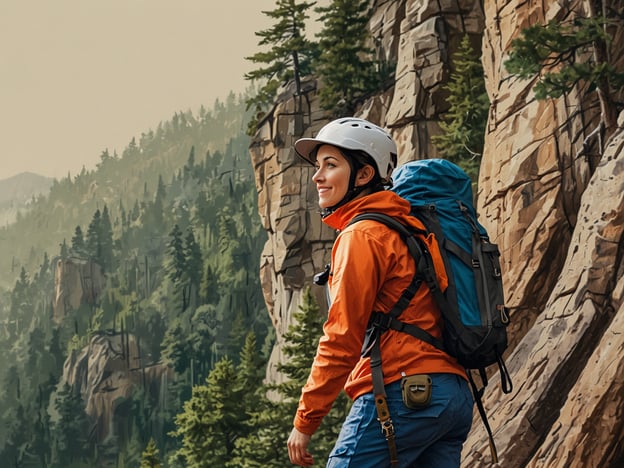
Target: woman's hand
(298,448)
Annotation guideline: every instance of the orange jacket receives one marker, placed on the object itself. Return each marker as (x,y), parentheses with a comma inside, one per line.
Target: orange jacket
(371,267)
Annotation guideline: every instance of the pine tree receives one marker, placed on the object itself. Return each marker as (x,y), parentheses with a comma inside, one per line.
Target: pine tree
(21,303)
(238,329)
(175,348)
(202,337)
(249,377)
(150,456)
(77,242)
(463,125)
(176,264)
(192,268)
(250,370)
(273,420)
(158,207)
(210,422)
(203,211)
(92,242)
(64,250)
(345,65)
(105,238)
(39,443)
(208,291)
(563,54)
(290,54)
(70,431)
(189,168)
(16,442)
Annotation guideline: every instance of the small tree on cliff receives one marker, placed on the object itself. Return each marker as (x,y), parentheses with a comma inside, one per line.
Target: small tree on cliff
(77,242)
(150,458)
(463,126)
(290,55)
(564,54)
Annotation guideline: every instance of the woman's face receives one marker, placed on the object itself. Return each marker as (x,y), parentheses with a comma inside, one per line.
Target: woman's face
(331,176)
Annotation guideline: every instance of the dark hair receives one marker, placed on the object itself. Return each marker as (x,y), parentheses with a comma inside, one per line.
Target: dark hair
(358,160)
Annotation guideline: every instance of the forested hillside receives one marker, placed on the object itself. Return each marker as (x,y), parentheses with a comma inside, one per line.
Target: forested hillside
(171,226)
(18,192)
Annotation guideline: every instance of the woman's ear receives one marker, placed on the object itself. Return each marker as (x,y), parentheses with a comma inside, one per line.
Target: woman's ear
(364,175)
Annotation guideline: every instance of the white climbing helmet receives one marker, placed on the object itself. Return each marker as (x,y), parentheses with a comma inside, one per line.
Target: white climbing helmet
(354,134)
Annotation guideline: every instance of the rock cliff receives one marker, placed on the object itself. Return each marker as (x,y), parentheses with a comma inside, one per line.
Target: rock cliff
(77,281)
(107,373)
(556,212)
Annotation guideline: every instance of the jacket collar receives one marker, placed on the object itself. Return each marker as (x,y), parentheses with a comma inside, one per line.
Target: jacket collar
(385,202)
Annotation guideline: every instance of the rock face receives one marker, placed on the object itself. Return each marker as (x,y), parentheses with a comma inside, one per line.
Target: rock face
(76,281)
(298,241)
(107,373)
(557,214)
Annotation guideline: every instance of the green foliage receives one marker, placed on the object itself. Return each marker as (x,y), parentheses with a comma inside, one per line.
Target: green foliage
(131,205)
(463,125)
(70,430)
(231,421)
(209,424)
(345,65)
(553,52)
(301,343)
(150,456)
(289,56)
(78,246)
(272,419)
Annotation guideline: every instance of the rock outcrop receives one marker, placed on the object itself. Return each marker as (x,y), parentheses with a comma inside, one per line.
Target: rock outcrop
(554,206)
(297,239)
(77,281)
(107,373)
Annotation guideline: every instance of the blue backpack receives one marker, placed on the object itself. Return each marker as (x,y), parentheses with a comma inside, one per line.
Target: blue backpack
(440,194)
(475,317)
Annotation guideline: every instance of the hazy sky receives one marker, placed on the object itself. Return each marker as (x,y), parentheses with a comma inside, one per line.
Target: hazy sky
(79,76)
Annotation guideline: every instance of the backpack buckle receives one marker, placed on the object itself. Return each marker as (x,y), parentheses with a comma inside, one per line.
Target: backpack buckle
(380,321)
(320,279)
(476,263)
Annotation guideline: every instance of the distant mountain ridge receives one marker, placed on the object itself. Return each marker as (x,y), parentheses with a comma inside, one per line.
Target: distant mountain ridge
(17,191)
(23,186)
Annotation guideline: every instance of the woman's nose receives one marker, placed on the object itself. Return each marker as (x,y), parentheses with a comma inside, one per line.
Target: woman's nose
(317,175)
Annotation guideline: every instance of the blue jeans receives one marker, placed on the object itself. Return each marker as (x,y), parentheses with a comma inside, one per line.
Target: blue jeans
(429,437)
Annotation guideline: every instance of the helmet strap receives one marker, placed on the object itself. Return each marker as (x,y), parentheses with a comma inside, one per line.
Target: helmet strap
(352,191)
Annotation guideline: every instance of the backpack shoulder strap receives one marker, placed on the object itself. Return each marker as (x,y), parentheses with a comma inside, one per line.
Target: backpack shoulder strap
(424,272)
(380,322)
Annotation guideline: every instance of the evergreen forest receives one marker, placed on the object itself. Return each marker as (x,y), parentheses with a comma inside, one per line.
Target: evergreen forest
(170,228)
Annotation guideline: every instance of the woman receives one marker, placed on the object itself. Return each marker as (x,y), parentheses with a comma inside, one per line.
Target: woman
(371,267)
